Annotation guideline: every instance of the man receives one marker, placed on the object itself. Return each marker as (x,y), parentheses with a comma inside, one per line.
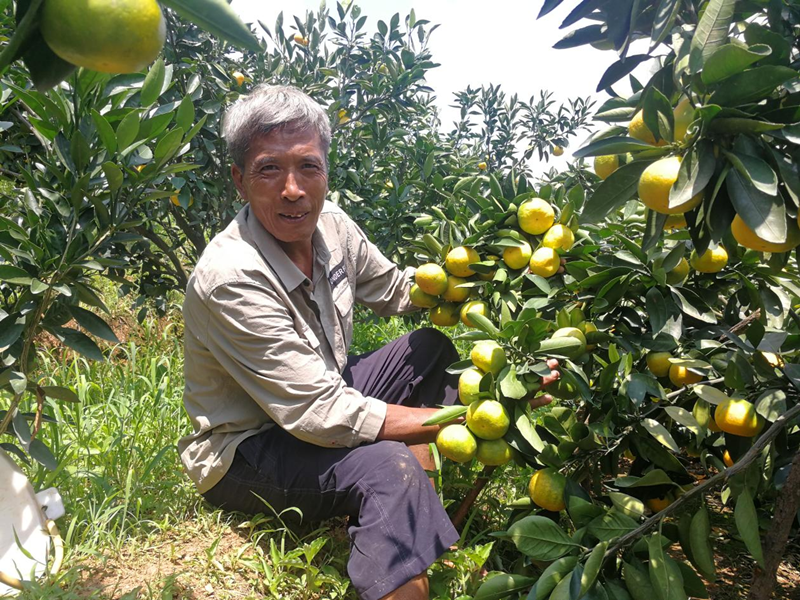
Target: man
(281,415)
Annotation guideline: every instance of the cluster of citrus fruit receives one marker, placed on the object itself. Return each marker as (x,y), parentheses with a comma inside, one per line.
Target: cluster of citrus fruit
(487,421)
(446,292)
(110,36)
(658,180)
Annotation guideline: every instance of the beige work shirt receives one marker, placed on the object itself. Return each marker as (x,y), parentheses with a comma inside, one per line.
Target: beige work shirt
(264,345)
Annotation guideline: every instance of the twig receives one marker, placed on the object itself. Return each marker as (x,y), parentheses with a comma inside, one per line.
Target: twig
(710,484)
(179,273)
(778,534)
(469,500)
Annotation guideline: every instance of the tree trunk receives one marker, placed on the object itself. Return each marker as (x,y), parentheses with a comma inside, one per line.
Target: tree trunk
(775,540)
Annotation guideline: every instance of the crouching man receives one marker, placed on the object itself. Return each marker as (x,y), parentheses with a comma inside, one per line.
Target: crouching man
(280,413)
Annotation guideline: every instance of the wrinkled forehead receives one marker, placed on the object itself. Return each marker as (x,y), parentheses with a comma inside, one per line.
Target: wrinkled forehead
(279,141)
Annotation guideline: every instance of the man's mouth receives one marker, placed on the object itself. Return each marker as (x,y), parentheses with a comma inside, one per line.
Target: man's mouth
(299,216)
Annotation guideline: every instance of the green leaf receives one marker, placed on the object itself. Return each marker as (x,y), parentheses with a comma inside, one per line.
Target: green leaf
(540,538)
(128,129)
(658,115)
(591,568)
(747,525)
(60,393)
(612,145)
(665,16)
(168,146)
(755,171)
(685,418)
(700,541)
(619,69)
(637,581)
(93,324)
(15,275)
(217,17)
(153,83)
(105,131)
(696,170)
(621,186)
(484,324)
(651,478)
(752,85)
(42,455)
(445,415)
(113,175)
(551,577)
(660,433)
(710,394)
(731,59)
(734,125)
(763,213)
(771,404)
(612,525)
(756,34)
(632,507)
(79,342)
(656,309)
(563,346)
(185,116)
(510,386)
(10,329)
(711,32)
(503,585)
(692,583)
(526,429)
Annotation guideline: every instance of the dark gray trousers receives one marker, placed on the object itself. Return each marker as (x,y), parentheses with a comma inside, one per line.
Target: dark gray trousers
(397,526)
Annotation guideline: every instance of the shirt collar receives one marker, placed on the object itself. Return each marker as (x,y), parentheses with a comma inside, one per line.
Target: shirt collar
(291,277)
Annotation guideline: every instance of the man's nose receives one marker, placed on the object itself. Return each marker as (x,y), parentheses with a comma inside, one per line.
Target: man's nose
(291,188)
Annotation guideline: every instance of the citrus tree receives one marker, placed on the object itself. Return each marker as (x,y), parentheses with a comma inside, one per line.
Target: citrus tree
(666,285)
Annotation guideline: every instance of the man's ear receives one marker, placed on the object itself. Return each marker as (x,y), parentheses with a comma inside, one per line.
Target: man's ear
(238,175)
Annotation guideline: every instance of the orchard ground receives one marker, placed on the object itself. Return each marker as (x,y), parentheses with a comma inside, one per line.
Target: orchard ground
(136,528)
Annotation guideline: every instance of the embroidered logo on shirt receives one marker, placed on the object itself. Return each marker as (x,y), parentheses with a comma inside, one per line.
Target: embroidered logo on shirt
(337,275)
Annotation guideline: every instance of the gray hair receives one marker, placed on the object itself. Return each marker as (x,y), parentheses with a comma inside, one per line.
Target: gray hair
(268,107)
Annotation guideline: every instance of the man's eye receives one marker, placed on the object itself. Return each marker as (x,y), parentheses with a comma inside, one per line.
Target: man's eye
(311,166)
(269,168)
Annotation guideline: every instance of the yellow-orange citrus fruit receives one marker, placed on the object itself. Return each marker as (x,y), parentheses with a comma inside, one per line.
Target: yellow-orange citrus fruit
(445,314)
(713,260)
(658,504)
(637,129)
(453,293)
(431,279)
(535,216)
(559,237)
(546,489)
(493,453)
(681,376)
(239,78)
(487,419)
(558,151)
(773,360)
(604,166)
(343,116)
(544,262)
(678,273)
(488,356)
(572,332)
(299,39)
(658,363)
(683,113)
(675,222)
(588,327)
(111,36)
(749,239)
(420,298)
(469,385)
(517,257)
(656,182)
(727,459)
(738,417)
(482,166)
(456,443)
(459,259)
(475,306)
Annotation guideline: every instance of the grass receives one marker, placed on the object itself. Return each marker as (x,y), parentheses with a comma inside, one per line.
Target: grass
(135,526)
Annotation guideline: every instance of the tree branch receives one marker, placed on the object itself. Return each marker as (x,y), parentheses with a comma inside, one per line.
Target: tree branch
(180,274)
(710,484)
(778,534)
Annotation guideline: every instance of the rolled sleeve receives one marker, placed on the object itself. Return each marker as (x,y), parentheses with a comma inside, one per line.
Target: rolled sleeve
(380,284)
(253,336)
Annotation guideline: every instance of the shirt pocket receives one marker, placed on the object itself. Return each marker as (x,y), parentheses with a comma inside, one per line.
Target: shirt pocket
(343,299)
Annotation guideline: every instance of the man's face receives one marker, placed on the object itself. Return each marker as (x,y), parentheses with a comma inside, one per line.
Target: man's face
(285,181)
